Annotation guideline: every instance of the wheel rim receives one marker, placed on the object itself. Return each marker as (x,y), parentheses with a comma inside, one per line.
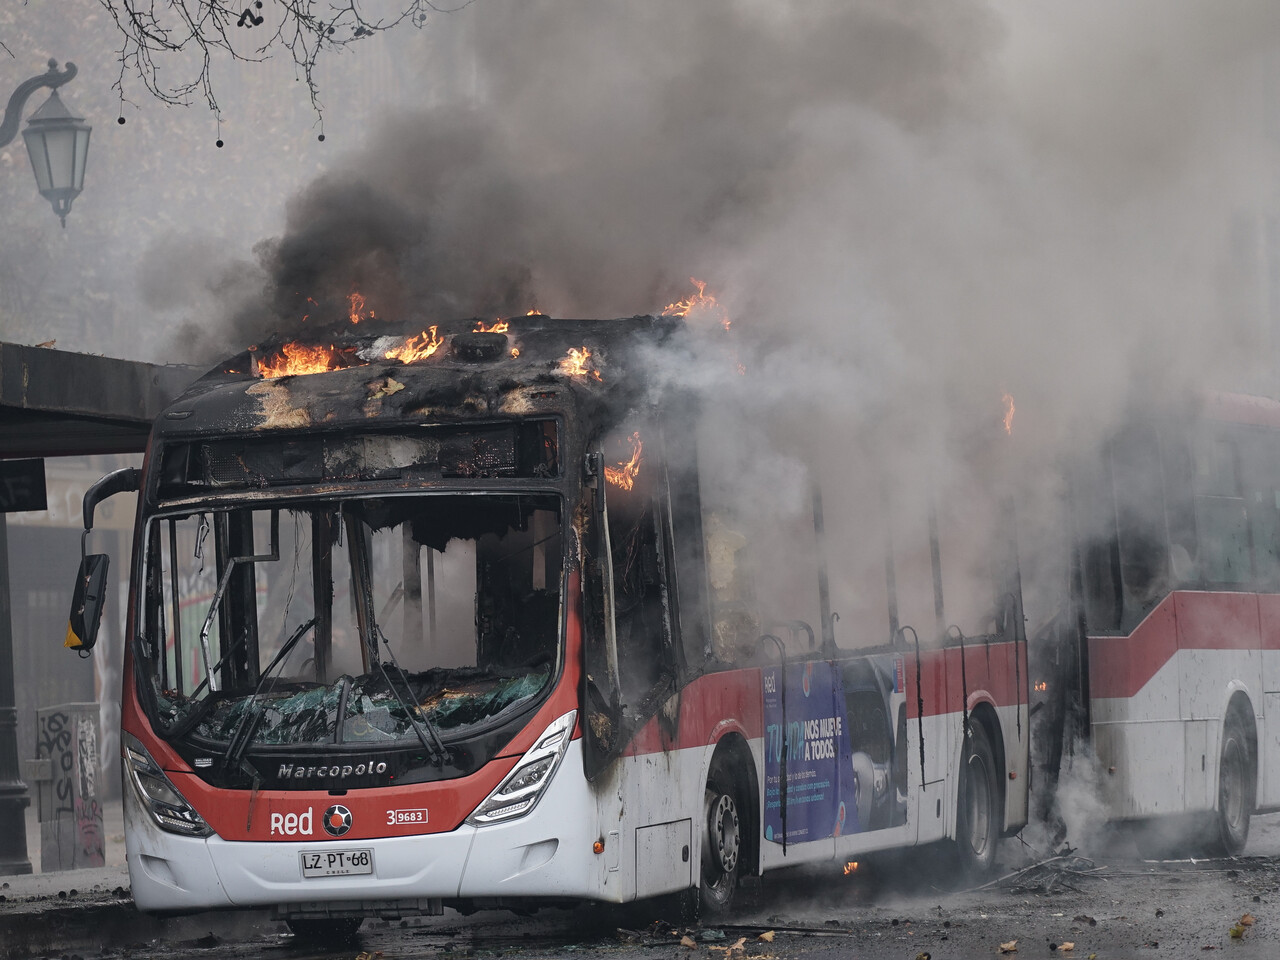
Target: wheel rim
(978,805)
(1231,794)
(724,834)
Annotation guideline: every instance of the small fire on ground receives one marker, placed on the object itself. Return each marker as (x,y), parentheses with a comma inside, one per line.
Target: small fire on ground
(851,867)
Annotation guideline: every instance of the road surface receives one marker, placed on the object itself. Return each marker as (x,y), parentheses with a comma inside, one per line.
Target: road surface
(1112,906)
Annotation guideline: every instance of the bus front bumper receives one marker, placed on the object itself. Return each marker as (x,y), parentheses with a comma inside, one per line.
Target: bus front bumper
(545,854)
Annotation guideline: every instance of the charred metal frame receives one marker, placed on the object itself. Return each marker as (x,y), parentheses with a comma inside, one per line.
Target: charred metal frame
(481,380)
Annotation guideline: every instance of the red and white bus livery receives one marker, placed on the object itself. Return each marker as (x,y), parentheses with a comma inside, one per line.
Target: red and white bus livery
(437,627)
(1170,655)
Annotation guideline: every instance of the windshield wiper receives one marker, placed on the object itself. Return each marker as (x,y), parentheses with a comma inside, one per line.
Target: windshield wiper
(422,726)
(253,711)
(367,624)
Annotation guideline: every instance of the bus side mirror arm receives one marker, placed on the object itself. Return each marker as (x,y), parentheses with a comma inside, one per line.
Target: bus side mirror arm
(125,480)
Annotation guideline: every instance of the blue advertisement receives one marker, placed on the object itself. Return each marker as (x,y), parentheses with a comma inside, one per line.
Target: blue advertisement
(809,739)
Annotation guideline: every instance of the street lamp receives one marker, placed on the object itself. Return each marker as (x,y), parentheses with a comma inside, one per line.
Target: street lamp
(57,141)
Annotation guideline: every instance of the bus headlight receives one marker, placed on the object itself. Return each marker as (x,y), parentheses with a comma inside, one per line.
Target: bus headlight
(520,791)
(161,798)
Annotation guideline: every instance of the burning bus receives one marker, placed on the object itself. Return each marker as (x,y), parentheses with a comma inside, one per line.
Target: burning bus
(449,619)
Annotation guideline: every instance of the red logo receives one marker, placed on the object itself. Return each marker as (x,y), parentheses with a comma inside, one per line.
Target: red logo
(337,820)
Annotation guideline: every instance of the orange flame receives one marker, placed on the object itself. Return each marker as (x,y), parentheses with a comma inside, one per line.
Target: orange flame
(535,312)
(575,364)
(357,307)
(624,475)
(515,352)
(1008,412)
(851,867)
(297,358)
(498,326)
(698,304)
(416,348)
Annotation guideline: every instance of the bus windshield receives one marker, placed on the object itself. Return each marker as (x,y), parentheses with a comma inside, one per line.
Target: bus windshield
(359,620)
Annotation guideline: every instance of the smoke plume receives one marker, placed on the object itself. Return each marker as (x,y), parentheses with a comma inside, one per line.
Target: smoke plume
(908,211)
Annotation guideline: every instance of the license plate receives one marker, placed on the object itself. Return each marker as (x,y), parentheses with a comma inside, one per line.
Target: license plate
(336,863)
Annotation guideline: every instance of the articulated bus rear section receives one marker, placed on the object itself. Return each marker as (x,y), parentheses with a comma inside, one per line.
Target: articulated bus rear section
(1167,664)
(462,628)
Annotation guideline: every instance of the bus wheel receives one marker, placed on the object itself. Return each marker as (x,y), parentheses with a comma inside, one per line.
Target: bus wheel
(1235,788)
(978,823)
(332,929)
(722,843)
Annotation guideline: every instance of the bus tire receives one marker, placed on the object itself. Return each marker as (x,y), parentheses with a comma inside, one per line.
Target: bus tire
(978,819)
(1236,785)
(724,834)
(326,930)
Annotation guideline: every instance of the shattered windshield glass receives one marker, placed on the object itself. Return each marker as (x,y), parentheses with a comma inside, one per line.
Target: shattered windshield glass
(352,621)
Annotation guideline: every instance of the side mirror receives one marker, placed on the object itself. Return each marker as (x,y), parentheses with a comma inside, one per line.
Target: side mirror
(91,581)
(86,602)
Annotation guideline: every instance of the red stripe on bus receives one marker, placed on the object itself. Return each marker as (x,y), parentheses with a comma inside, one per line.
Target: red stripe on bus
(731,700)
(1184,620)
(990,674)
(709,707)
(1239,408)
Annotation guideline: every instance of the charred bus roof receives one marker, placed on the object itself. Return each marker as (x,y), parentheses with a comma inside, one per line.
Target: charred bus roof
(473,373)
(490,394)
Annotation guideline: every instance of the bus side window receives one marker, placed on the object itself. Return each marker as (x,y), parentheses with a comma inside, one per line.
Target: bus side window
(1140,520)
(1221,517)
(639,591)
(1095,531)
(1260,467)
(1179,508)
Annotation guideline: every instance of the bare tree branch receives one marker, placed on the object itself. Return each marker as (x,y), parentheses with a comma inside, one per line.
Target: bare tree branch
(159,39)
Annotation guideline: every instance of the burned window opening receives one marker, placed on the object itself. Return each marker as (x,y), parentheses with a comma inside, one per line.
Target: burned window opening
(642,621)
(524,449)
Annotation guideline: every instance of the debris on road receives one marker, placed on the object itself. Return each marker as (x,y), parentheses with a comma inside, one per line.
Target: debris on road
(1010,947)
(1047,876)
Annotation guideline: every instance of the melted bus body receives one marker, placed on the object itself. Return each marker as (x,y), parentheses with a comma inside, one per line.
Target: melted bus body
(445,632)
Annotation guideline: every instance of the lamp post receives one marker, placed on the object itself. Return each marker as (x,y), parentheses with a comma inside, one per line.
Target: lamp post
(57,140)
(58,144)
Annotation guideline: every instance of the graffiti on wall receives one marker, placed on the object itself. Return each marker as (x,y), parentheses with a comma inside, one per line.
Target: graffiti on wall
(70,810)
